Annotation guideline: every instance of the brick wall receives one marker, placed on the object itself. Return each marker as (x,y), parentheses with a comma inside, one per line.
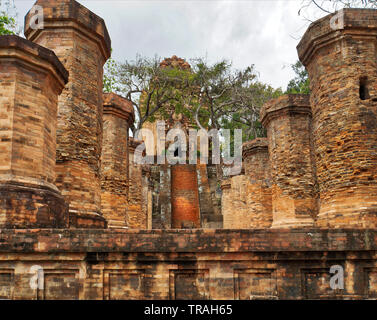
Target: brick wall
(188,264)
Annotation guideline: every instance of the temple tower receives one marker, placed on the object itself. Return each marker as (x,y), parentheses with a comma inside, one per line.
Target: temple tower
(288,123)
(118,115)
(31,78)
(340,54)
(80,40)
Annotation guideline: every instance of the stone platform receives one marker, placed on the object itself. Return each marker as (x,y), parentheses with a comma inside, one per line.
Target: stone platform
(187,264)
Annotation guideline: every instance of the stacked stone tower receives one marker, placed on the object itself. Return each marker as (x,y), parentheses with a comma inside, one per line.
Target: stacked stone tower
(340,54)
(80,40)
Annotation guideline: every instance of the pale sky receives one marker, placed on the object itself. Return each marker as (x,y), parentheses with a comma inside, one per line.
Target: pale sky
(260,32)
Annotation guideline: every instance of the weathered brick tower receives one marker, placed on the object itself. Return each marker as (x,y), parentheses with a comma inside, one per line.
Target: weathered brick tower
(288,123)
(118,115)
(31,78)
(80,40)
(340,54)
(246,199)
(333,141)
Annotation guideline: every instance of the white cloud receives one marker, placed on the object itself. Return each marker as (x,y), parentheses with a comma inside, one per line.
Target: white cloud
(255,32)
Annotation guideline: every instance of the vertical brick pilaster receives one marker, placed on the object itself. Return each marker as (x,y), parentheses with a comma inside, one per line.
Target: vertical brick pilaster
(184,197)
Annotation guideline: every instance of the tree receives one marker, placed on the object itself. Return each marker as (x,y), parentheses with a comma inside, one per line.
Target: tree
(299,84)
(311,8)
(7,18)
(210,95)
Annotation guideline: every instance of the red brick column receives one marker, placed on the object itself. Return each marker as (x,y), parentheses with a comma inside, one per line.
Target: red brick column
(288,123)
(81,41)
(31,78)
(118,115)
(339,52)
(184,197)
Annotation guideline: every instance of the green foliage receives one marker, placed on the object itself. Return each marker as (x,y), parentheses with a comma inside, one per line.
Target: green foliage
(209,95)
(7,18)
(6,25)
(299,84)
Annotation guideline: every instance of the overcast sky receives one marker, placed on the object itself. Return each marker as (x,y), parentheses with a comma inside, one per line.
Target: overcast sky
(260,32)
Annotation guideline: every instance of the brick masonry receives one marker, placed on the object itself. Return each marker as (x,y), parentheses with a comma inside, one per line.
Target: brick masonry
(185,212)
(118,115)
(31,78)
(80,40)
(339,53)
(316,159)
(188,264)
(288,123)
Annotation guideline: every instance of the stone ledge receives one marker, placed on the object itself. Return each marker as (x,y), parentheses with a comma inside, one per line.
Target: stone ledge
(253,146)
(321,32)
(194,240)
(35,50)
(118,106)
(286,104)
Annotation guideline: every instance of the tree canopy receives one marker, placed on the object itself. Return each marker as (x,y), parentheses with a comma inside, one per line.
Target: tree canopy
(210,95)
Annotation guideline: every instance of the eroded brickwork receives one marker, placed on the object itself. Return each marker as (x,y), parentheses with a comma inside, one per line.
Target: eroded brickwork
(118,115)
(339,53)
(280,177)
(246,200)
(288,123)
(137,217)
(31,78)
(80,40)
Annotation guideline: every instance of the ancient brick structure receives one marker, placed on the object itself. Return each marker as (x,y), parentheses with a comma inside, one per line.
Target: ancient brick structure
(306,201)
(288,123)
(137,219)
(339,52)
(80,40)
(118,115)
(31,78)
(246,202)
(184,197)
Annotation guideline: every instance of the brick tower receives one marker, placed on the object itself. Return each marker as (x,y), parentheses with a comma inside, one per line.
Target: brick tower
(340,54)
(118,115)
(31,78)
(288,123)
(80,40)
